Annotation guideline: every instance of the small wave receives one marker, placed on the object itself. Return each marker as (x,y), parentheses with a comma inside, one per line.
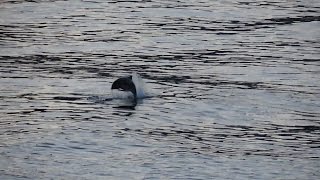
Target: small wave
(99,99)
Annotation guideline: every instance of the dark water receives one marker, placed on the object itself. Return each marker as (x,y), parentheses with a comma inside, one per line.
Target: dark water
(235,89)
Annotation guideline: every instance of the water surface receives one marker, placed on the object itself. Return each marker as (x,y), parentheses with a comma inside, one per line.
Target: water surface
(235,89)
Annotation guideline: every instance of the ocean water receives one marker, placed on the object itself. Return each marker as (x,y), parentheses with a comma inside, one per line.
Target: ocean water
(234,89)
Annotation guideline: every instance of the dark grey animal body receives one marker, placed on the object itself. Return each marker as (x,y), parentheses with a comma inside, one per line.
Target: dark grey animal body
(125,84)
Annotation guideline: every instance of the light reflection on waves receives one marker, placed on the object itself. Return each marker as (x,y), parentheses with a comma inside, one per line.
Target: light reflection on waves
(271,140)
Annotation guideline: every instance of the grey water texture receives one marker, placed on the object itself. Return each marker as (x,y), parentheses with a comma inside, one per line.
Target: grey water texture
(233,89)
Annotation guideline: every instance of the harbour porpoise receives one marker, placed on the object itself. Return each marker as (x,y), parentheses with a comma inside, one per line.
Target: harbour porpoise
(125,84)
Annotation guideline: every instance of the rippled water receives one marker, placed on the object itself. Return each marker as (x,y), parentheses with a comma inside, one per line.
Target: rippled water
(235,89)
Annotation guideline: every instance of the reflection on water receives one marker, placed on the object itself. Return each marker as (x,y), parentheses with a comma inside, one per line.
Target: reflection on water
(235,89)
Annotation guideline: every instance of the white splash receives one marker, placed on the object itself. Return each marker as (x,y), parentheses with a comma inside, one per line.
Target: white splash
(116,94)
(140,86)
